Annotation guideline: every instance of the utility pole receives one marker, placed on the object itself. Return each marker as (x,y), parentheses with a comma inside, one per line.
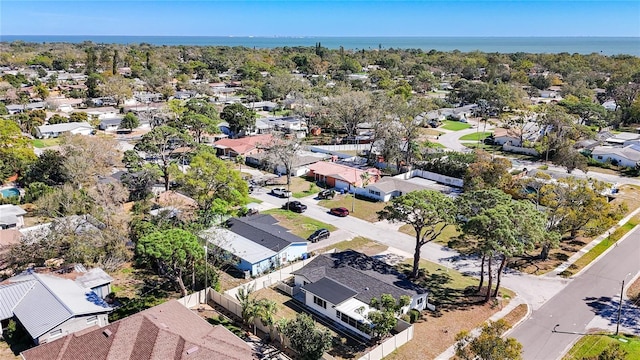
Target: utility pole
(206,271)
(620,307)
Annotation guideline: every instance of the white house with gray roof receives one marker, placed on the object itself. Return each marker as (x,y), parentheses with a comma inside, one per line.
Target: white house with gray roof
(628,156)
(53,131)
(341,286)
(49,307)
(11,216)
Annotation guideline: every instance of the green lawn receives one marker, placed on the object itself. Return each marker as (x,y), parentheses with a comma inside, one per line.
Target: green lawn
(313,188)
(454,125)
(476,136)
(363,209)
(299,224)
(254,200)
(43,143)
(590,346)
(359,243)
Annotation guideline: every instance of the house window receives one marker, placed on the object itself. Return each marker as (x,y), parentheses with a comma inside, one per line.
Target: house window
(319,302)
(599,157)
(373,192)
(419,301)
(92,319)
(55,333)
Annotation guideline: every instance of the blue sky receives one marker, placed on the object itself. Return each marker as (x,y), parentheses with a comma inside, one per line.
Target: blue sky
(321,18)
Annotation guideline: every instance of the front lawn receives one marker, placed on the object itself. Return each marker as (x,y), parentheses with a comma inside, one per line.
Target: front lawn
(448,233)
(360,244)
(591,346)
(298,224)
(43,143)
(362,209)
(476,136)
(454,125)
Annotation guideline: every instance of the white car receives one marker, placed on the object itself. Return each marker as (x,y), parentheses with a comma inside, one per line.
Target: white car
(281,192)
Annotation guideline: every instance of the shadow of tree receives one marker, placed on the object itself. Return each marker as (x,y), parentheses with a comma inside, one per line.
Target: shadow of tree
(607,308)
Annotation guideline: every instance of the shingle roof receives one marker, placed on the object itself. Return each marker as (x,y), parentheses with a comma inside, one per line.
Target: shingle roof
(330,290)
(58,128)
(166,331)
(389,184)
(369,277)
(263,230)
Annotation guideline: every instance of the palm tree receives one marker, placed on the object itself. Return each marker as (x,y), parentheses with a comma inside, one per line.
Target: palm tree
(249,306)
(266,309)
(240,160)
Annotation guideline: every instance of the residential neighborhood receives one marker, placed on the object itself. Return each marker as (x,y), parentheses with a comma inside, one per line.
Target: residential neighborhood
(168,202)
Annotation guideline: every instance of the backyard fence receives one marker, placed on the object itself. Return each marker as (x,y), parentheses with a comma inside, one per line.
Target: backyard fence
(404,335)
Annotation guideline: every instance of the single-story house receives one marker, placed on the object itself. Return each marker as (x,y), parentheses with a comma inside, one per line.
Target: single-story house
(300,165)
(340,176)
(11,216)
(101,113)
(53,131)
(506,136)
(341,286)
(257,243)
(49,307)
(621,138)
(166,331)
(628,156)
(112,124)
(289,124)
(391,187)
(242,146)
(145,97)
(261,105)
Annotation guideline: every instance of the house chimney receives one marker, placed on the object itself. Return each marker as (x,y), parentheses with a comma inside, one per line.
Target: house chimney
(107,332)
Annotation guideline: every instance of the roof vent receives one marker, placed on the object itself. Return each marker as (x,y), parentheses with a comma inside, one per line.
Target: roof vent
(191,350)
(366,288)
(107,332)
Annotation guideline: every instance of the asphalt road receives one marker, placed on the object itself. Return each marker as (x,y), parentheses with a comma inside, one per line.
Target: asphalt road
(589,301)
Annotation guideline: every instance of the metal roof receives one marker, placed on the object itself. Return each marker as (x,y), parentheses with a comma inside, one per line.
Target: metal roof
(238,245)
(54,300)
(57,128)
(10,296)
(94,277)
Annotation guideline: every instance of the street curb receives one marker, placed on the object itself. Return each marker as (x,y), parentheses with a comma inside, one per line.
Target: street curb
(523,319)
(614,245)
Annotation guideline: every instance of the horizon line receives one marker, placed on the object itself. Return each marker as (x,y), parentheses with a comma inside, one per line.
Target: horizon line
(338,36)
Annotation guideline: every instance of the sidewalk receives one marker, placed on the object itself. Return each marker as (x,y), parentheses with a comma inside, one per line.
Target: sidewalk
(450,352)
(564,266)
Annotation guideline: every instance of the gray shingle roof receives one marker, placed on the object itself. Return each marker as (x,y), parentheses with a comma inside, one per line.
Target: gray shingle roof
(263,230)
(330,290)
(369,277)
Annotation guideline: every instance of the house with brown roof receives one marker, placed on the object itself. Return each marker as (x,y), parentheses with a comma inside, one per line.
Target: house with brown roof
(166,331)
(341,176)
(242,146)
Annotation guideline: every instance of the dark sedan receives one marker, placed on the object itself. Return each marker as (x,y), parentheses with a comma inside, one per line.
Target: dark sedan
(318,235)
(295,206)
(339,211)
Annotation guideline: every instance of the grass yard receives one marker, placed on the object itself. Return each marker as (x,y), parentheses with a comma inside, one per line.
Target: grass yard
(43,143)
(476,136)
(254,200)
(590,346)
(454,125)
(429,132)
(299,225)
(433,144)
(359,243)
(298,184)
(448,233)
(312,190)
(363,209)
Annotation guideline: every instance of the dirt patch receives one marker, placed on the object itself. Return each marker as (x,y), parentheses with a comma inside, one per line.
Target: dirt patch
(6,353)
(516,314)
(633,292)
(435,332)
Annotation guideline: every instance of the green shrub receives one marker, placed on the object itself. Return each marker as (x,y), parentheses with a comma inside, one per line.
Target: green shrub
(414,315)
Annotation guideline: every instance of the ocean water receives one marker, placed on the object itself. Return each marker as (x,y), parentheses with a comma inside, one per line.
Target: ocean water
(581,45)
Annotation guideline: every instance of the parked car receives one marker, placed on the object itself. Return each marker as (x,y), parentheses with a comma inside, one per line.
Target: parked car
(318,235)
(295,206)
(339,211)
(281,192)
(326,194)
